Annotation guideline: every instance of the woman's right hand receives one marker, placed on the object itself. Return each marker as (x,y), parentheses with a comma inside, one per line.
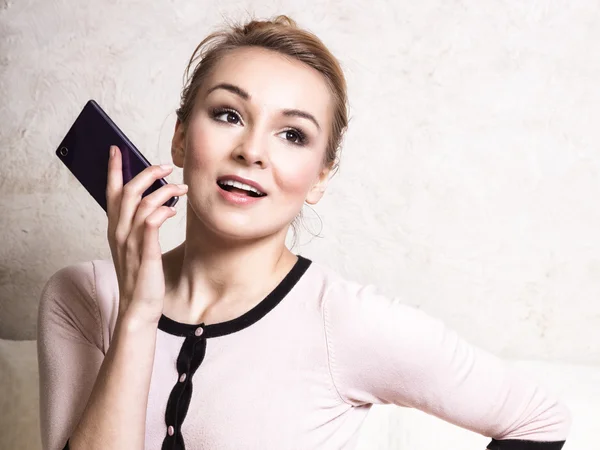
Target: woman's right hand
(133,225)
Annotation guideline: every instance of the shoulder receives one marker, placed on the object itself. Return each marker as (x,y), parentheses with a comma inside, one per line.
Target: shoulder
(80,299)
(342,294)
(330,282)
(73,281)
(79,280)
(365,316)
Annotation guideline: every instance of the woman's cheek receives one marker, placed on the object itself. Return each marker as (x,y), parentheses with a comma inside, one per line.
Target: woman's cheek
(296,179)
(198,153)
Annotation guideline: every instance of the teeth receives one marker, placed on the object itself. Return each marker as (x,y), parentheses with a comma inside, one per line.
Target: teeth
(239,185)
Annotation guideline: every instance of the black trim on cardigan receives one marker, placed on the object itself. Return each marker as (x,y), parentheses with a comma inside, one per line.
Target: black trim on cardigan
(245,320)
(518,444)
(189,359)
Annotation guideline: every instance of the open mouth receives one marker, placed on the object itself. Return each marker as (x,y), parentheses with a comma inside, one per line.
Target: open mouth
(248,193)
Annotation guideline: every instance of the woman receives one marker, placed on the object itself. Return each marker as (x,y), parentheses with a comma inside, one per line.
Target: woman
(231,341)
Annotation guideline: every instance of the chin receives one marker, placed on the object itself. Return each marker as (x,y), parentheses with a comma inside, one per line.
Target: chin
(232,224)
(230,227)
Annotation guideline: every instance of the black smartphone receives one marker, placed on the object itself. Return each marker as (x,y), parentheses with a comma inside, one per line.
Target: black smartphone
(85,151)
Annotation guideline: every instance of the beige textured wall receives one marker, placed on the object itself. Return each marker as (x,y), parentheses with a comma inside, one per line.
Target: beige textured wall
(470,178)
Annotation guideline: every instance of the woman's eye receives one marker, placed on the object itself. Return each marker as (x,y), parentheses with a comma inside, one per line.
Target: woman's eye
(227,116)
(294,136)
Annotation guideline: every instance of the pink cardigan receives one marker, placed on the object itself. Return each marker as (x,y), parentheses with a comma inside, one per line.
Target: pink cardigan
(298,371)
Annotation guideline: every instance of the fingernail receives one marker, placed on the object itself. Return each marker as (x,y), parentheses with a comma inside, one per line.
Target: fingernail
(182,186)
(166,166)
(113,150)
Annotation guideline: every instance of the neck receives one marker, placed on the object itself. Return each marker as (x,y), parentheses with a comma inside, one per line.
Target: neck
(212,273)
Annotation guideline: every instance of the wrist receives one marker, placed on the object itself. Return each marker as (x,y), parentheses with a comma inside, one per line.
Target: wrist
(133,322)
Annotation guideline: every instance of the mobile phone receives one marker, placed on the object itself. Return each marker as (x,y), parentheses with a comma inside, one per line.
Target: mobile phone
(85,151)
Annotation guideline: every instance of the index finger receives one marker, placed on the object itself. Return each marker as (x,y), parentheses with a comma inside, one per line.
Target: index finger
(114,185)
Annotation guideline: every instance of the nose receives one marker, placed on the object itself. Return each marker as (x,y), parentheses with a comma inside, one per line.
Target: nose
(250,150)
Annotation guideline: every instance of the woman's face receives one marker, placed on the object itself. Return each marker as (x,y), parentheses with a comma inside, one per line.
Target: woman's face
(263,117)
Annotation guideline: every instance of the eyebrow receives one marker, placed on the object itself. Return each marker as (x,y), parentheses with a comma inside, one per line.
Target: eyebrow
(304,115)
(231,88)
(246,96)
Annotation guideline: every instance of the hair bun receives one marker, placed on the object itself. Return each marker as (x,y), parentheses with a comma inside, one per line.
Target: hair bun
(280,20)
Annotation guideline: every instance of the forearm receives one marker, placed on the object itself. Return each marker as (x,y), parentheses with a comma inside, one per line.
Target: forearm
(115,415)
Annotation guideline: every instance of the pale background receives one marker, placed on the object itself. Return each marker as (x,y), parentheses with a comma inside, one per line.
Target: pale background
(469,182)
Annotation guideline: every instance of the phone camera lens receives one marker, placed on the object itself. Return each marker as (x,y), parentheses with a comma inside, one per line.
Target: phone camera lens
(63,151)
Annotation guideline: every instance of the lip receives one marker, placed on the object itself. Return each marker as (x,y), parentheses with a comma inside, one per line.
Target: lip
(252,183)
(238,199)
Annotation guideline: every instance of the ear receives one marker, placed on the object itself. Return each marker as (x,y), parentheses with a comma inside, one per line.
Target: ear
(178,144)
(318,189)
